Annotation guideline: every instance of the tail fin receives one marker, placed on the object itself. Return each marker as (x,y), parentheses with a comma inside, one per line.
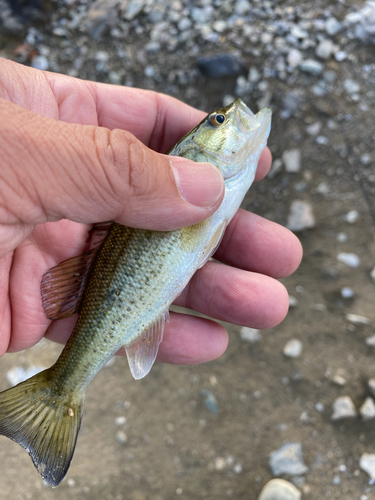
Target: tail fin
(44,422)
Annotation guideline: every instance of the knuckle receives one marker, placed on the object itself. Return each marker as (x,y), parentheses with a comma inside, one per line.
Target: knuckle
(136,168)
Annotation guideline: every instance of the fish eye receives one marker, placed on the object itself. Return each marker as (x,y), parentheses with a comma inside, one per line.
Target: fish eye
(217,119)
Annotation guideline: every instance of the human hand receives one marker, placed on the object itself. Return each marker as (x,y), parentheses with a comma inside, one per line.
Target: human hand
(62,169)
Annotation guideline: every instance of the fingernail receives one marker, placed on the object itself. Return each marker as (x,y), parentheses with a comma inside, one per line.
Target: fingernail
(200,184)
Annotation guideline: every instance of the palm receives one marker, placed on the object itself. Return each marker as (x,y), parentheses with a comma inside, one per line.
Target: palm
(241,291)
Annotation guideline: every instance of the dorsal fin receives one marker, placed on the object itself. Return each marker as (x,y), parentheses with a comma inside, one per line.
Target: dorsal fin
(63,285)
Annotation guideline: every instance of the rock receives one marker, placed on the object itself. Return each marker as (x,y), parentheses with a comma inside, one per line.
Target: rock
(293,348)
(367,464)
(220,463)
(276,168)
(132,8)
(294,58)
(371,385)
(325,49)
(365,22)
(279,489)
(350,259)
(184,24)
(121,437)
(311,66)
(292,301)
(367,410)
(351,216)
(292,102)
(221,65)
(40,62)
(101,15)
(250,334)
(343,407)
(292,160)
(333,26)
(357,319)
(314,128)
(350,86)
(210,401)
(370,341)
(242,7)
(288,460)
(372,275)
(346,292)
(300,216)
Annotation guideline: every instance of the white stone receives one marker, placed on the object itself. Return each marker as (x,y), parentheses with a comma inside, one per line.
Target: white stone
(300,216)
(343,407)
(357,319)
(325,49)
(293,348)
(292,160)
(371,385)
(292,301)
(250,334)
(333,26)
(367,410)
(370,341)
(346,292)
(351,216)
(279,489)
(350,259)
(367,464)
(311,66)
(294,58)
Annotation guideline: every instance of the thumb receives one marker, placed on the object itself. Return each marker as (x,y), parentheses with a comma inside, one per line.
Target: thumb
(54,170)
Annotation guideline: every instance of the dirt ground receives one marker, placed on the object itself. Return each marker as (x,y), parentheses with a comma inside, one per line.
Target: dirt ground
(170,443)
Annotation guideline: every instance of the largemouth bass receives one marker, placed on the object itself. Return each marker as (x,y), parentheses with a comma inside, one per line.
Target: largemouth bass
(122,287)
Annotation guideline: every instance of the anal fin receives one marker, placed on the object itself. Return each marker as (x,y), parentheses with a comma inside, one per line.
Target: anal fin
(142,353)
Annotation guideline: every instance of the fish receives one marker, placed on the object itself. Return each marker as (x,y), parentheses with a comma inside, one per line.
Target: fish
(122,287)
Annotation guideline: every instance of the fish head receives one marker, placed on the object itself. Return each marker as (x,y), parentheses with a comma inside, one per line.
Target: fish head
(229,138)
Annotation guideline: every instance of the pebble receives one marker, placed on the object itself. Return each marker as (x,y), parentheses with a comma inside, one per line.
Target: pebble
(221,65)
(133,8)
(250,334)
(370,341)
(279,489)
(333,26)
(210,401)
(325,49)
(367,410)
(357,319)
(294,58)
(292,160)
(350,259)
(351,216)
(40,62)
(371,385)
(343,407)
(300,216)
(367,464)
(372,275)
(293,348)
(346,292)
(276,168)
(121,437)
(311,66)
(288,460)
(350,86)
(314,128)
(292,301)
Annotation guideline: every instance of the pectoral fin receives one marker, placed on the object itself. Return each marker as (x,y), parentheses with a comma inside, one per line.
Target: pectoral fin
(63,285)
(213,244)
(142,353)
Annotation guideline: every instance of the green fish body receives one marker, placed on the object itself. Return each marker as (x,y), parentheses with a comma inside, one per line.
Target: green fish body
(122,288)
